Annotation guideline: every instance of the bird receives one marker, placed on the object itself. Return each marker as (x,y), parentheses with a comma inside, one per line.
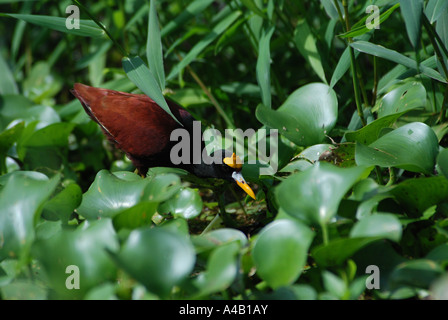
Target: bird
(138,126)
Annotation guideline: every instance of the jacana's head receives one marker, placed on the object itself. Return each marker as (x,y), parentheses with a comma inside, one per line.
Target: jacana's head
(227,166)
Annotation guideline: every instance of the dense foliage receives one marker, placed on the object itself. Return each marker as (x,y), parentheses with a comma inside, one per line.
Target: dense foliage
(357,210)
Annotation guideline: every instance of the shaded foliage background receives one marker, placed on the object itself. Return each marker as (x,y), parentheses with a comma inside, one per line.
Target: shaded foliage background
(363,166)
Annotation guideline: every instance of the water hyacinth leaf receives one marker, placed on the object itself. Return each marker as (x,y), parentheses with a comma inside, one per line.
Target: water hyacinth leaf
(314,195)
(337,251)
(54,135)
(419,273)
(306,44)
(154,52)
(136,216)
(394,56)
(62,205)
(417,195)
(412,11)
(442,162)
(83,248)
(219,237)
(413,147)
(87,28)
(382,225)
(108,195)
(264,66)
(187,204)
(157,258)
(7,140)
(19,210)
(162,187)
(142,77)
(410,95)
(221,270)
(306,117)
(371,132)
(280,251)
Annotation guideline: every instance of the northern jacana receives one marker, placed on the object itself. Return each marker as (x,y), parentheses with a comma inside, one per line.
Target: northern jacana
(142,129)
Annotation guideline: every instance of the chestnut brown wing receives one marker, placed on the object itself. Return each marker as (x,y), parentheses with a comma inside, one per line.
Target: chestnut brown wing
(134,122)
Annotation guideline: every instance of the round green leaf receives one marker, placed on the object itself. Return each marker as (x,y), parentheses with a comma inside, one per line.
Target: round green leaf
(417,195)
(306,117)
(280,251)
(339,250)
(162,187)
(413,147)
(221,270)
(378,225)
(108,195)
(157,258)
(314,194)
(408,96)
(62,205)
(21,199)
(442,162)
(415,273)
(186,204)
(84,248)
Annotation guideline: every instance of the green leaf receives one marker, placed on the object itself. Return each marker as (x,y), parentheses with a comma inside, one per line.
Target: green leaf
(142,77)
(202,44)
(419,273)
(371,132)
(157,258)
(54,135)
(62,205)
(314,195)
(186,204)
(252,6)
(378,225)
(417,195)
(337,251)
(21,200)
(218,237)
(280,251)
(8,84)
(162,187)
(306,44)
(154,52)
(87,28)
(84,248)
(394,56)
(408,96)
(264,66)
(412,11)
(413,147)
(108,195)
(442,162)
(306,117)
(221,270)
(434,9)
(136,216)
(7,140)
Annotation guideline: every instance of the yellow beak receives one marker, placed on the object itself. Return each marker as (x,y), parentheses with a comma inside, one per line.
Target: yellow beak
(238,177)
